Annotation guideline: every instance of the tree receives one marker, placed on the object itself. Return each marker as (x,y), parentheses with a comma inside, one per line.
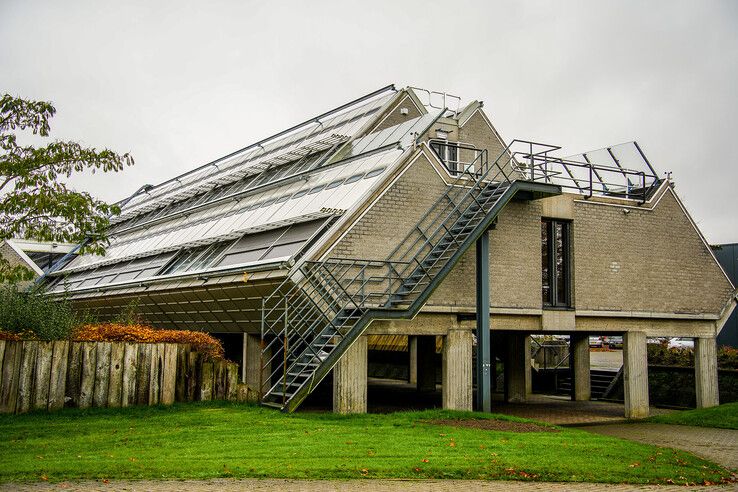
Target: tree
(35,201)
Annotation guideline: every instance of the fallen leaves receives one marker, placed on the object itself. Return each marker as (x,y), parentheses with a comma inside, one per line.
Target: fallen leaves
(118,332)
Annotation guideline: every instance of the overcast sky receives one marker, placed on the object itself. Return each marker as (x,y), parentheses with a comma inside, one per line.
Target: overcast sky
(180,83)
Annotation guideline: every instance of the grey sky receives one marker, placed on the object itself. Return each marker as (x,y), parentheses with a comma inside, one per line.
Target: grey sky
(181,83)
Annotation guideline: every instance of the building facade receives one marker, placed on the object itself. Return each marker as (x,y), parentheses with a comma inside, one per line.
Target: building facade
(405,213)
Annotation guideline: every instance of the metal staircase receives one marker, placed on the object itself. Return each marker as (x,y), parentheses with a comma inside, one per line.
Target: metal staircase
(315,315)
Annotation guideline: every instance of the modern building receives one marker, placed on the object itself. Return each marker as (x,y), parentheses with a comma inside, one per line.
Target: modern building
(404,212)
(727,256)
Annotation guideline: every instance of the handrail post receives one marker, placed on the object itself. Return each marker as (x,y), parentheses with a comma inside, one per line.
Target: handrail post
(262,347)
(284,361)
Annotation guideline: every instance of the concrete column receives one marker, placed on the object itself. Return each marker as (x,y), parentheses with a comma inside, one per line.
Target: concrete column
(706,372)
(580,367)
(412,352)
(251,365)
(457,370)
(528,366)
(635,374)
(426,350)
(517,367)
(350,378)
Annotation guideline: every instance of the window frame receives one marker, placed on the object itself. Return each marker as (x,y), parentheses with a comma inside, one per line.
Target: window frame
(553,300)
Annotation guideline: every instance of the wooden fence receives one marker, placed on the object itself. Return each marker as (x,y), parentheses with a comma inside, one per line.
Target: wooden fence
(51,375)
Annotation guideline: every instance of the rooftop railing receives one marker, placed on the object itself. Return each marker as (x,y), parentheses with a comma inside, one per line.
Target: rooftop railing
(621,171)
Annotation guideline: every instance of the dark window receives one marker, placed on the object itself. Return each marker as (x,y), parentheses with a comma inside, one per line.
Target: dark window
(556,262)
(449,155)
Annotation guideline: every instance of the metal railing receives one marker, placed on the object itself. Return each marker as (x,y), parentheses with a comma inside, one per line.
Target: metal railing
(318,308)
(608,177)
(323,306)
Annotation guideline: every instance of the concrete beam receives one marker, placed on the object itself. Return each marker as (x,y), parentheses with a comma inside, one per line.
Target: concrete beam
(426,360)
(350,379)
(706,372)
(457,370)
(517,367)
(635,374)
(580,364)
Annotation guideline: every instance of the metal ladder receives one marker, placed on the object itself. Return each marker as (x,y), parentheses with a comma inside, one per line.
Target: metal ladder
(315,315)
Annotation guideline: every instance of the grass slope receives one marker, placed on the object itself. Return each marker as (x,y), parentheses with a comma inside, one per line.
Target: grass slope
(228,440)
(724,416)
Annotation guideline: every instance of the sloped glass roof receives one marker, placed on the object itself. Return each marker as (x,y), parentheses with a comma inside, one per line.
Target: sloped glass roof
(213,229)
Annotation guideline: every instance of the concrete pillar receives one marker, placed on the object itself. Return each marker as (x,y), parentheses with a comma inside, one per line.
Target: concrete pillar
(251,365)
(580,367)
(528,366)
(350,378)
(635,374)
(706,372)
(426,362)
(457,370)
(412,352)
(517,367)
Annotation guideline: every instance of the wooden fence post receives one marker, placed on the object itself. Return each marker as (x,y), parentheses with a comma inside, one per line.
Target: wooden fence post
(193,376)
(143,374)
(155,364)
(87,382)
(115,387)
(74,375)
(42,376)
(169,373)
(206,381)
(58,381)
(232,392)
(130,365)
(180,392)
(102,374)
(11,368)
(25,376)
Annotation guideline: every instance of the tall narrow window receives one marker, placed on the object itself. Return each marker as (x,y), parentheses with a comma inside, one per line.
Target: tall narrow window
(555,263)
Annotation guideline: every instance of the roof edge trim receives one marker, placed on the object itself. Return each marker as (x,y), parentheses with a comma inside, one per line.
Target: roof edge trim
(390,87)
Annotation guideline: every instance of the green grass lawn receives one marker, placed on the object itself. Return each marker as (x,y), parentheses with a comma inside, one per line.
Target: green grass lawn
(231,440)
(724,416)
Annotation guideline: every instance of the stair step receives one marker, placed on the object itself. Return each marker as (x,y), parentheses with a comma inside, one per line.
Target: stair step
(272,404)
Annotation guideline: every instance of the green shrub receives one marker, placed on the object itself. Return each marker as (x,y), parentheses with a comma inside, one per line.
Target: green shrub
(33,315)
(662,355)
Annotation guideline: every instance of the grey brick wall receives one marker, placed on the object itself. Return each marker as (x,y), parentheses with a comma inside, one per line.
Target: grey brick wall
(396,118)
(644,261)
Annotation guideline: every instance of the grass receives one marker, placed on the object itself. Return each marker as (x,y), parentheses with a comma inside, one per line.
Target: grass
(208,440)
(724,416)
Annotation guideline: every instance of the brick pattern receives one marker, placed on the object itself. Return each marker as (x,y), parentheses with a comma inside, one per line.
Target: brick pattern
(390,219)
(9,254)
(477,132)
(644,261)
(395,118)
(515,264)
(651,261)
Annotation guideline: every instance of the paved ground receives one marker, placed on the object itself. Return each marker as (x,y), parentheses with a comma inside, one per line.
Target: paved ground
(717,445)
(353,485)
(560,410)
(608,359)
